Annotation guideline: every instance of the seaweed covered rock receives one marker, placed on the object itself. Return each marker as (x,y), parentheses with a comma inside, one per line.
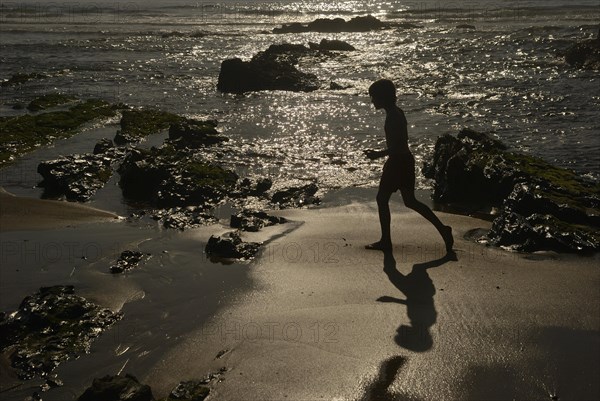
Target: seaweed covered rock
(127,261)
(543,207)
(335,25)
(585,54)
(231,246)
(254,220)
(117,388)
(296,196)
(136,124)
(76,177)
(194,133)
(51,326)
(24,133)
(167,177)
(49,100)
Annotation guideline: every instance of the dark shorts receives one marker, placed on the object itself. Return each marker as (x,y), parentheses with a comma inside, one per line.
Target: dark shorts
(398,172)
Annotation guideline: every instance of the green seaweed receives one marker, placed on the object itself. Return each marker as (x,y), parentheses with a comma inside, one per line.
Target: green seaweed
(205,174)
(137,124)
(49,100)
(23,134)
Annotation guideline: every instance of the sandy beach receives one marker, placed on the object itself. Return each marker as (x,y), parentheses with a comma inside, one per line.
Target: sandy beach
(327,319)
(316,316)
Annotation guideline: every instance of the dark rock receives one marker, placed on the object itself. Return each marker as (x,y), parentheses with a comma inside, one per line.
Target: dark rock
(231,246)
(77,177)
(248,187)
(356,24)
(253,220)
(333,45)
(103,146)
(167,177)
(117,388)
(535,219)
(263,73)
(543,207)
(584,54)
(127,261)
(195,133)
(189,391)
(296,196)
(50,327)
(183,217)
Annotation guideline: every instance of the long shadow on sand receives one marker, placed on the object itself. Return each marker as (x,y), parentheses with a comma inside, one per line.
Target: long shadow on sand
(418,290)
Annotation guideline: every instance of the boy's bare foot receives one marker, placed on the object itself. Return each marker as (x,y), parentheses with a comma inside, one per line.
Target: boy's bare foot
(380,246)
(448,238)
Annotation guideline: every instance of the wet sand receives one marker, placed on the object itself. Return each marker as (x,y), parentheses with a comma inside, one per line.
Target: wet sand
(17,213)
(327,319)
(317,316)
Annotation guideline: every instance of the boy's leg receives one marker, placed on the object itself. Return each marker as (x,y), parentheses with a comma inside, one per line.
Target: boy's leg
(408,196)
(383,207)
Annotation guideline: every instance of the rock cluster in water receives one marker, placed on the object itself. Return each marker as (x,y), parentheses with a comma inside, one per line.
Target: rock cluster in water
(543,207)
(335,25)
(274,68)
(183,217)
(49,327)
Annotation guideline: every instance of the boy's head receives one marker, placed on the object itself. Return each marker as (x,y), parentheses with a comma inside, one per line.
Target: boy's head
(383,93)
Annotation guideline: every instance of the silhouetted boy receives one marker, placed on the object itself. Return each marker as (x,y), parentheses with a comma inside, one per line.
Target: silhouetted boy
(399,168)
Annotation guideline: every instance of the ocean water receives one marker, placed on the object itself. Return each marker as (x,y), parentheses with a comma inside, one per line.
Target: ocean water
(505,77)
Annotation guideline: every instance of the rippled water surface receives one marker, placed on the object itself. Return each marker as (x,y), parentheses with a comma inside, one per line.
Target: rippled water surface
(504,76)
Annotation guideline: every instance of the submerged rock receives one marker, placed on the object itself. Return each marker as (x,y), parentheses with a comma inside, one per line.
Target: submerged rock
(543,207)
(231,246)
(167,177)
(333,45)
(296,196)
(51,326)
(584,54)
(76,177)
(127,261)
(356,24)
(194,133)
(254,220)
(117,388)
